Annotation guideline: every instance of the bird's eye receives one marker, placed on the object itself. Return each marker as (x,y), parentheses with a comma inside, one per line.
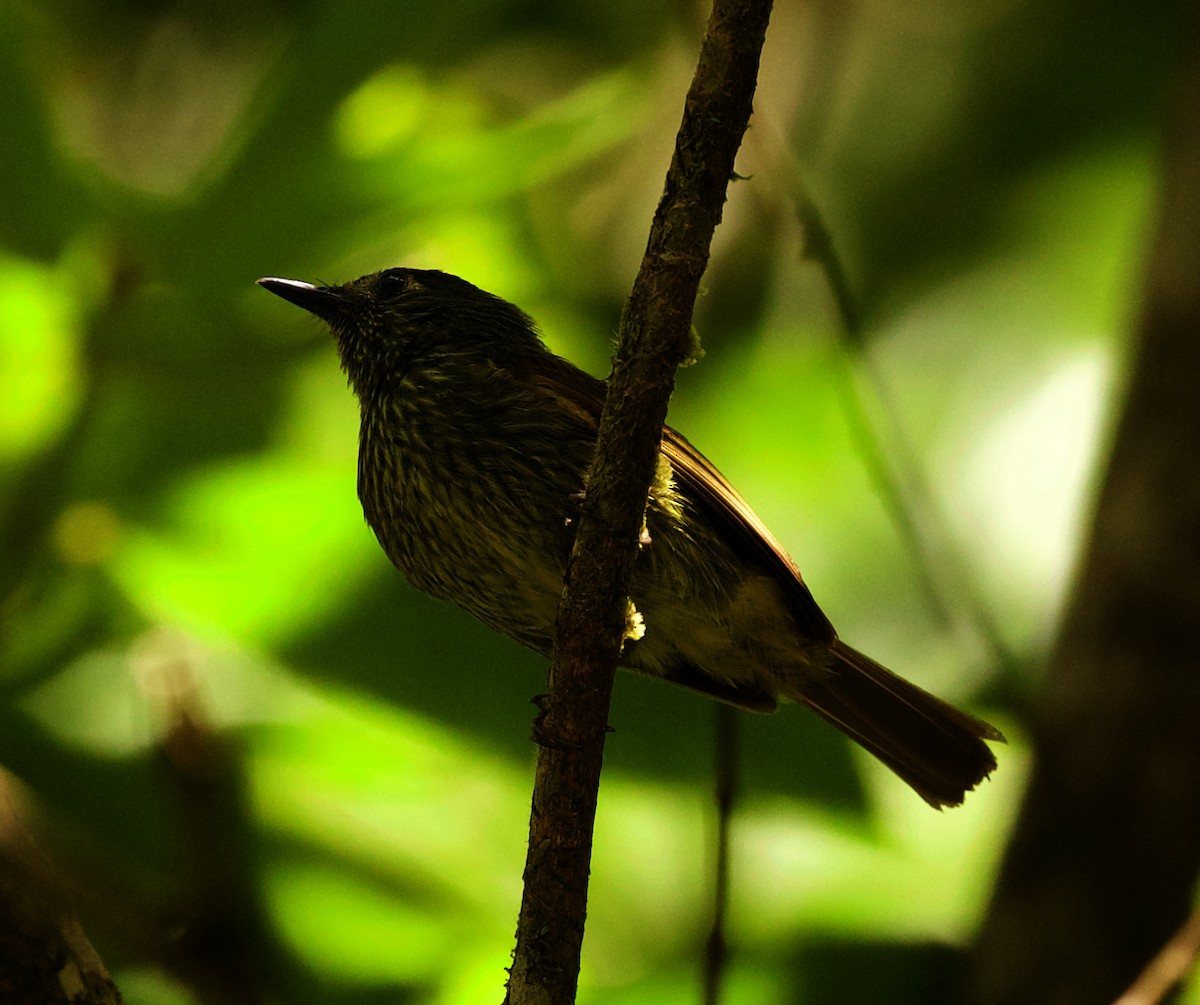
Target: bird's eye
(394,282)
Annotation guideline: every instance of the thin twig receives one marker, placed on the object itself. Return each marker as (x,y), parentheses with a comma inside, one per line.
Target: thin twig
(592,618)
(1168,968)
(893,466)
(725,772)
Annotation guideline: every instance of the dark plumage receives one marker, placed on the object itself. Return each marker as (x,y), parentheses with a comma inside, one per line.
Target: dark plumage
(474,440)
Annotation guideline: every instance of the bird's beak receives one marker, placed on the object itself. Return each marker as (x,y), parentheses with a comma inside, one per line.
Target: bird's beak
(322,301)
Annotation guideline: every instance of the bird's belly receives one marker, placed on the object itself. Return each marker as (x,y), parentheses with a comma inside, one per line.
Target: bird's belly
(501,575)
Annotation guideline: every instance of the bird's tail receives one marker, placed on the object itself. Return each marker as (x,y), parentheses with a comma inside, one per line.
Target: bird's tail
(929,743)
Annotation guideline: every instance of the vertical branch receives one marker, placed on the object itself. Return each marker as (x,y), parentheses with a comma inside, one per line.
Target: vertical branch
(655,339)
(1106,849)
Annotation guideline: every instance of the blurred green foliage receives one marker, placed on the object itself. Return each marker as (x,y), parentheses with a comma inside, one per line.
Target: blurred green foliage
(181,548)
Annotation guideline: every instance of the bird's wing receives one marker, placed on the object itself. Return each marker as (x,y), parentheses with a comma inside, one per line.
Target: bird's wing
(742,529)
(711,494)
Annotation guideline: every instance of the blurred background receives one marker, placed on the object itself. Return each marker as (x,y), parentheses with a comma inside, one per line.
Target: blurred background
(263,765)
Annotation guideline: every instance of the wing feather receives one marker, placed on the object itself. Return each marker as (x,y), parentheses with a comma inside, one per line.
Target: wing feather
(712,497)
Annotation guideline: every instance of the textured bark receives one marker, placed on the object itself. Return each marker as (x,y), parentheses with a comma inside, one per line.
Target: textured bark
(45,959)
(1104,859)
(655,339)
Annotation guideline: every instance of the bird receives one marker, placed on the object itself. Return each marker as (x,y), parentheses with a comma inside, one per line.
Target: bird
(474,445)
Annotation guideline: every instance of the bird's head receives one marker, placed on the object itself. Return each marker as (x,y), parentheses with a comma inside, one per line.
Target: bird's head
(389,322)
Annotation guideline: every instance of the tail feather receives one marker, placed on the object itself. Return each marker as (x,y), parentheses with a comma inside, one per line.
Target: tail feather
(934,747)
